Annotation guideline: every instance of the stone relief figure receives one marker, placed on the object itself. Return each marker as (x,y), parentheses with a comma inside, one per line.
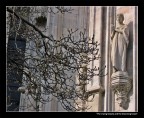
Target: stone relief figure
(120,83)
(120,41)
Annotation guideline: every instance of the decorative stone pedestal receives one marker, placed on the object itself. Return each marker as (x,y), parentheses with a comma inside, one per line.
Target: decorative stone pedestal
(121,85)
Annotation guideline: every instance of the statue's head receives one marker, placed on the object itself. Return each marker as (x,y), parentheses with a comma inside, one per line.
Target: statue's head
(120,18)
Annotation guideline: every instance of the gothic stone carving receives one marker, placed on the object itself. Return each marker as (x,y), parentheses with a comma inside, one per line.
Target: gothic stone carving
(121,85)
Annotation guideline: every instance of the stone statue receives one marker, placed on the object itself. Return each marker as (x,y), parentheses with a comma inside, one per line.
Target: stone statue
(120,41)
(120,81)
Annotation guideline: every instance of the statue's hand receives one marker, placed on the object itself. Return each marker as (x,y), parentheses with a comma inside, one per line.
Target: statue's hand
(118,30)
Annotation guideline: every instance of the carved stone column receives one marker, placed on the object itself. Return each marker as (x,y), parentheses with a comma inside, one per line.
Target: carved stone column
(121,84)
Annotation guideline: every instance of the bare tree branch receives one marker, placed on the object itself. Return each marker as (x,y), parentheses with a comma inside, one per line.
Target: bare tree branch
(28,23)
(56,67)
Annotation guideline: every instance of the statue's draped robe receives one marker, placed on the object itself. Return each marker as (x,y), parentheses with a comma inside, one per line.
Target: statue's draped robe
(120,42)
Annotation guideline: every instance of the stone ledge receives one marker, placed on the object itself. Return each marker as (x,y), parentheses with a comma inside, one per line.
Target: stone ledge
(95,89)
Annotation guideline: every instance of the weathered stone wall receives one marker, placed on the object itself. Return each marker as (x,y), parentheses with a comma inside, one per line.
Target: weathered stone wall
(58,24)
(95,28)
(97,20)
(103,18)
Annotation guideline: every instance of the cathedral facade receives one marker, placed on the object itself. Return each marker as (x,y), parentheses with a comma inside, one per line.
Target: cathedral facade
(116,91)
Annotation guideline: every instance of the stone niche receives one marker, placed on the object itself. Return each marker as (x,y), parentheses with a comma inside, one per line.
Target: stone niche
(121,85)
(124,84)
